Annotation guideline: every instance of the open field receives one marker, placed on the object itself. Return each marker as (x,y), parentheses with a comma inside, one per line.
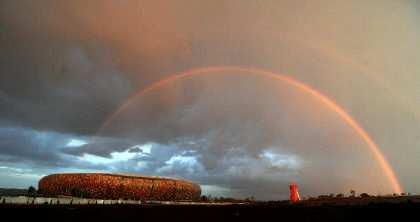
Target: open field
(260,211)
(334,201)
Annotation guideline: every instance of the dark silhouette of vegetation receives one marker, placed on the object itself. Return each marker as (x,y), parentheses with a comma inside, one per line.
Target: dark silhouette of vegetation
(352,193)
(250,199)
(204,198)
(323,197)
(32,191)
(13,192)
(212,199)
(339,195)
(364,195)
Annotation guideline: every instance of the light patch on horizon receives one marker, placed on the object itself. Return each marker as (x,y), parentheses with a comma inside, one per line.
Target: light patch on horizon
(142,165)
(278,160)
(188,164)
(215,191)
(115,157)
(94,159)
(13,169)
(76,143)
(144,148)
(137,151)
(12,174)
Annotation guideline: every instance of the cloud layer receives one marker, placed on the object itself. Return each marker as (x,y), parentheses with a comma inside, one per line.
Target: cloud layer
(65,67)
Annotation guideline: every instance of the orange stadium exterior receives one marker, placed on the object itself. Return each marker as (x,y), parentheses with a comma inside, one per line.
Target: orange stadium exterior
(116,186)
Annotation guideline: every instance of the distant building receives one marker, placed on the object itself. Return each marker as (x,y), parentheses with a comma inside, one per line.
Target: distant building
(294,193)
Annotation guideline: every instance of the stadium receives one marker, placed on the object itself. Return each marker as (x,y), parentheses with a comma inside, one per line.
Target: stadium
(116,186)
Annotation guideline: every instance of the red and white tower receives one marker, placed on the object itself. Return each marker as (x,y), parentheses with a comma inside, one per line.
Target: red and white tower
(294,193)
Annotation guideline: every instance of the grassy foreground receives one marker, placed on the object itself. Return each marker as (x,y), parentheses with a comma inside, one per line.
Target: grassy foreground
(263,211)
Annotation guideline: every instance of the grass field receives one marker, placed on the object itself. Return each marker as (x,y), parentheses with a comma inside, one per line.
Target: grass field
(234,212)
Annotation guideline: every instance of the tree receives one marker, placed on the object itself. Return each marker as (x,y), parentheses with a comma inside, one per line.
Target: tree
(364,195)
(31,191)
(204,198)
(323,197)
(352,193)
(311,198)
(250,199)
(339,195)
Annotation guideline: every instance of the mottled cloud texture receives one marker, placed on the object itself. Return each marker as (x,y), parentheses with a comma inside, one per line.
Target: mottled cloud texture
(66,67)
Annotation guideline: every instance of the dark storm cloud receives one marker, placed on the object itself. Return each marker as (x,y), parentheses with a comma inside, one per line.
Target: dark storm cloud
(44,149)
(68,91)
(66,66)
(49,81)
(23,145)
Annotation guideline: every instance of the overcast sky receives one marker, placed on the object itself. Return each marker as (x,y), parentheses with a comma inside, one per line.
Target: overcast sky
(67,66)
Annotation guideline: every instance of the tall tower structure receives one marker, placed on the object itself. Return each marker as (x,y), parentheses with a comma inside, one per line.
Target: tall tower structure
(294,193)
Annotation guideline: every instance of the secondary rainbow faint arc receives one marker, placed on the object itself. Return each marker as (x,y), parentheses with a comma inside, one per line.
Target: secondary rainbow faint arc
(379,156)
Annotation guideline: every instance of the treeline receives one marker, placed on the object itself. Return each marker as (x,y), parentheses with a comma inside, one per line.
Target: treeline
(13,192)
(353,194)
(220,199)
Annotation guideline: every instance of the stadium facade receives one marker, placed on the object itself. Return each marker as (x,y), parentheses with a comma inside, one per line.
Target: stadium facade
(116,186)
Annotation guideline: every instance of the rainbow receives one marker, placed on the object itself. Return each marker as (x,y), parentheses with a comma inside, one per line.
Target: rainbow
(373,147)
(333,54)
